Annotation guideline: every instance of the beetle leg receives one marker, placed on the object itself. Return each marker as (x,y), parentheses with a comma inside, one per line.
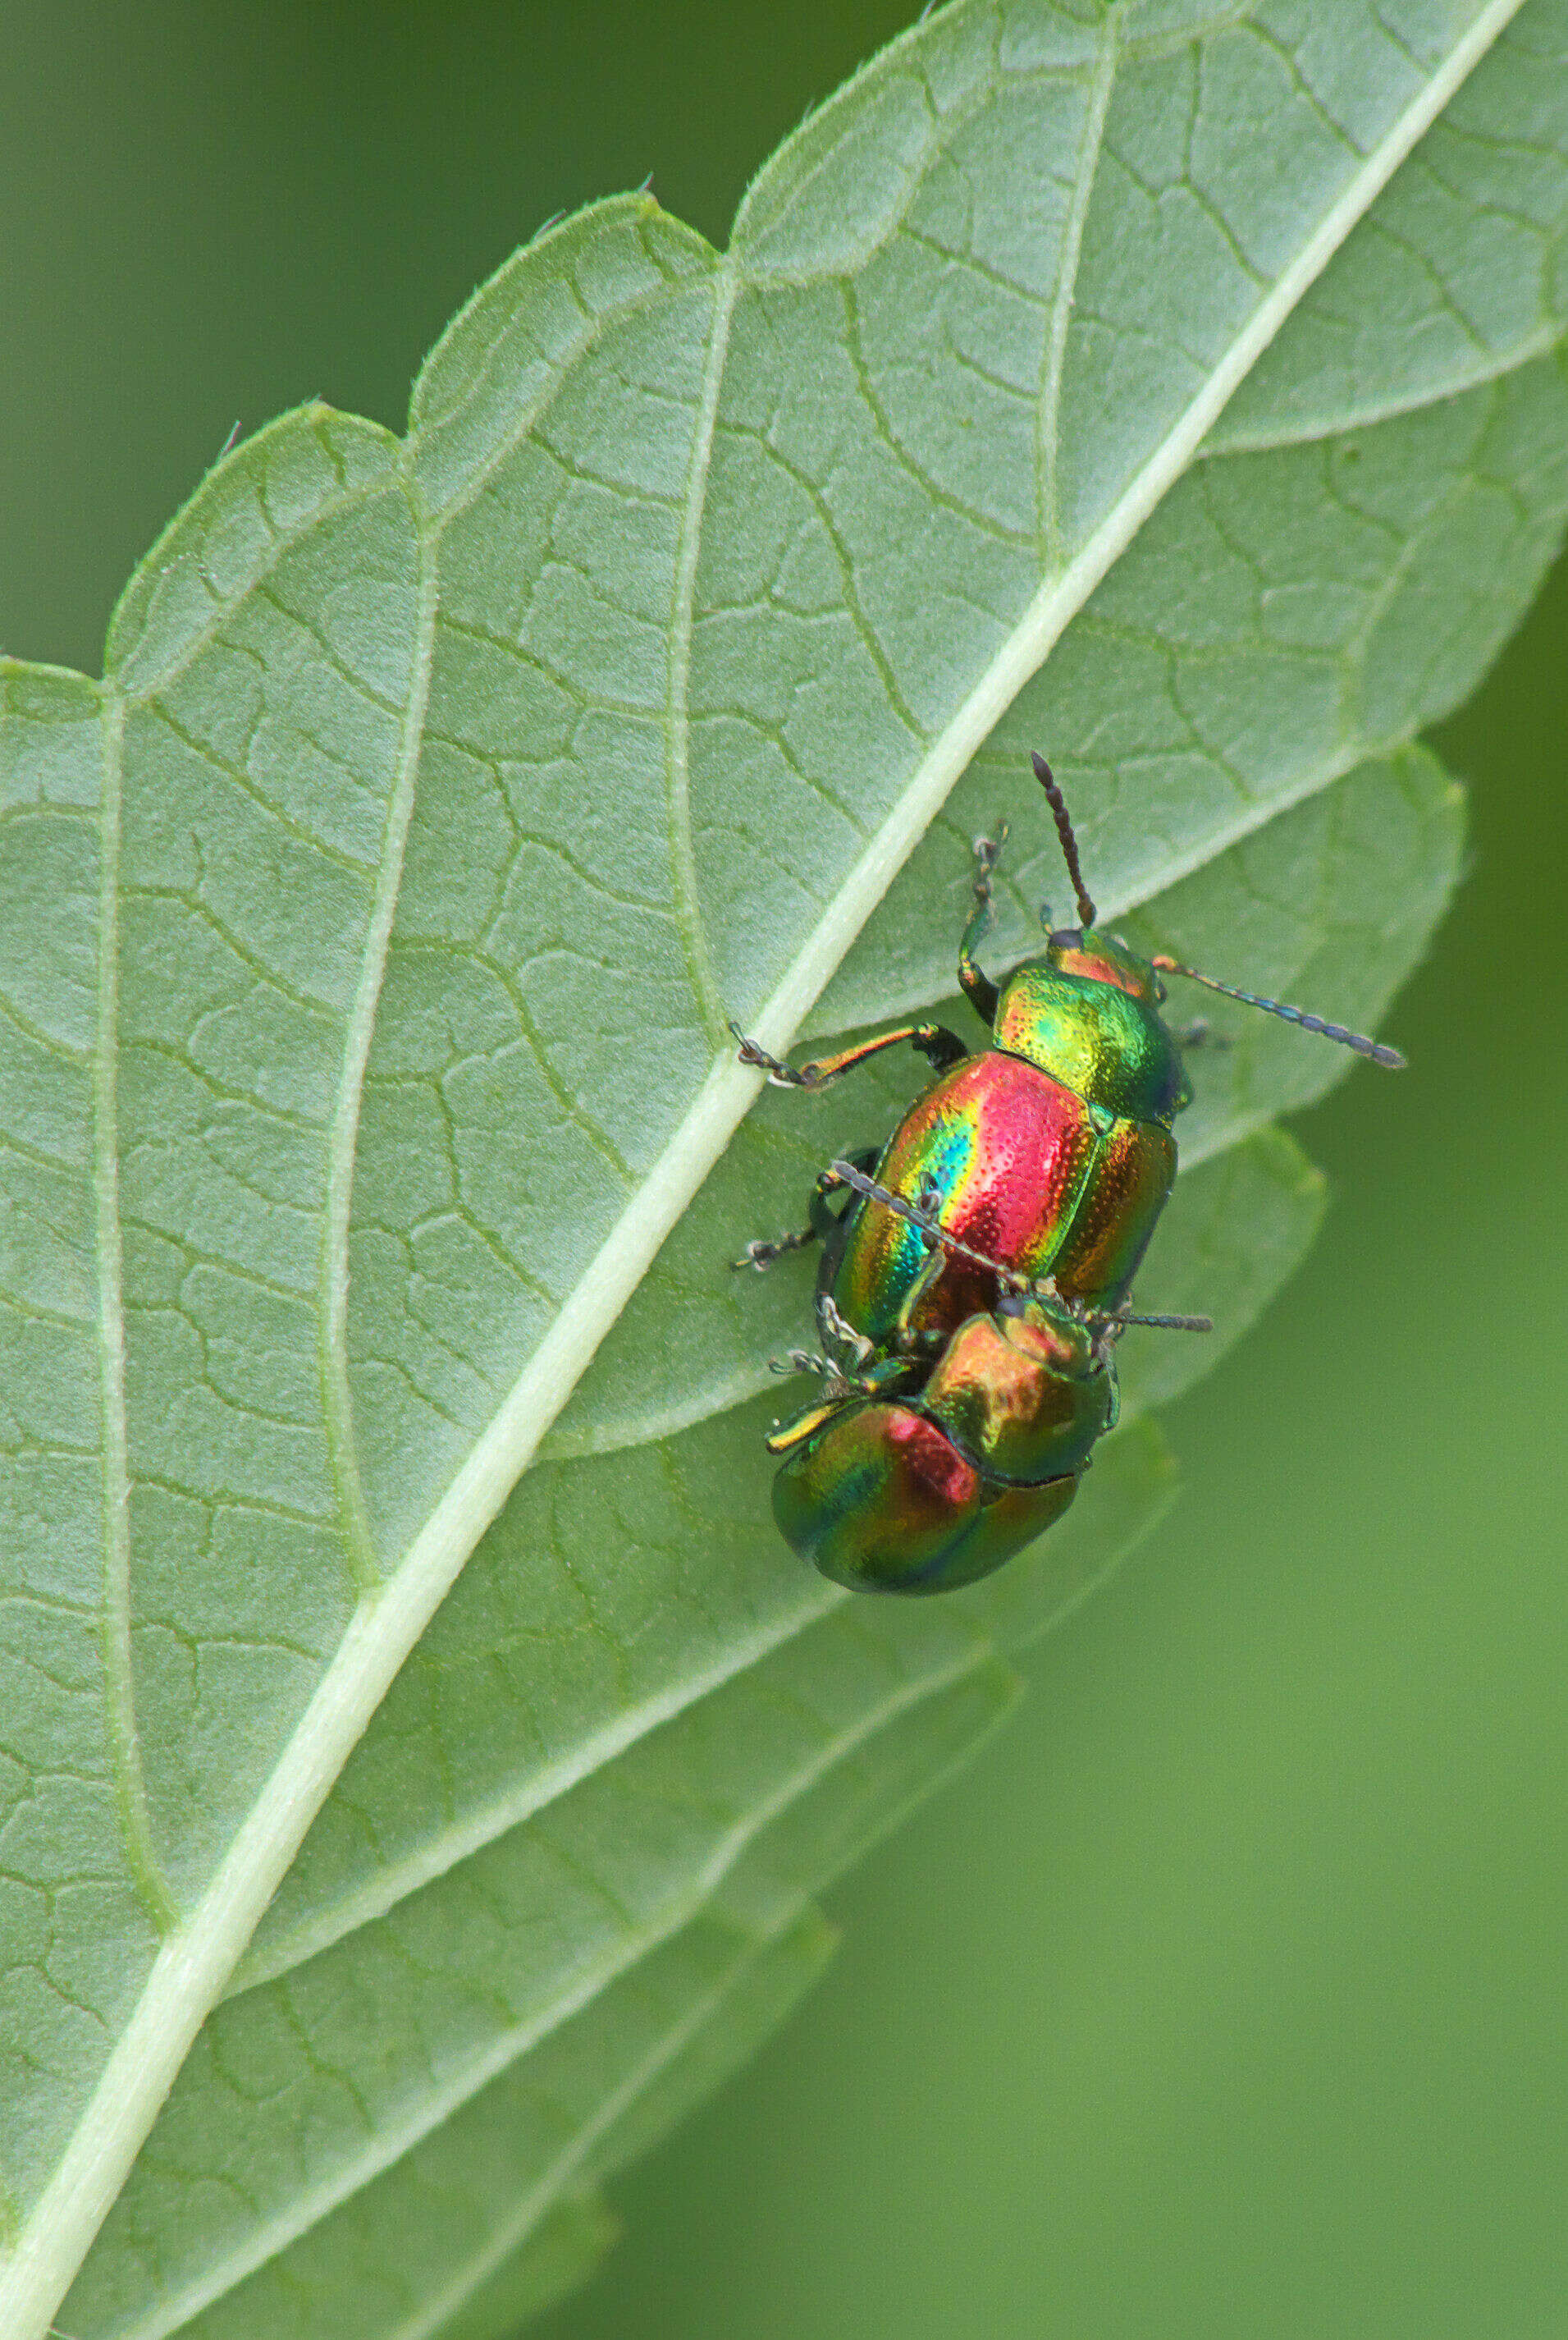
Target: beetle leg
(934,1041)
(1200,1034)
(837,1330)
(978,988)
(799,1428)
(825,1221)
(905,1337)
(783,1435)
(762,1251)
(806,1361)
(864,1378)
(786,1434)
(922,1216)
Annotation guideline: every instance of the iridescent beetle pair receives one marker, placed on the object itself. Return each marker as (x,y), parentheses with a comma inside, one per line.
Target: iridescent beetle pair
(974,1282)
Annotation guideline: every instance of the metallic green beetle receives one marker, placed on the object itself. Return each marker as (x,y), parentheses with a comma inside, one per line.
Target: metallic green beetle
(1033,1173)
(921,1493)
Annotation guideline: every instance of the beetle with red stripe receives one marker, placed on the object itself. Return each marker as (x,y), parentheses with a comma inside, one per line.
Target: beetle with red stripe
(976,1269)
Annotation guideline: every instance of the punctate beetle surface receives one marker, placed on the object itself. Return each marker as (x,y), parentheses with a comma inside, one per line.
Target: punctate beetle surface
(919,1492)
(993,1239)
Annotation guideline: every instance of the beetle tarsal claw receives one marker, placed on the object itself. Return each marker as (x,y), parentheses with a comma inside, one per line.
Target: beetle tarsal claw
(805,1360)
(781,1076)
(987,853)
(763,1250)
(859,1347)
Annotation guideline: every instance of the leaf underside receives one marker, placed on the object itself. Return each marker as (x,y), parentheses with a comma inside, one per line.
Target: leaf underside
(1178,389)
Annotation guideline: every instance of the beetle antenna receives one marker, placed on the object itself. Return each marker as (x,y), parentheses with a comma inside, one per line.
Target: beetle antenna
(1063,819)
(928,1224)
(1119,1317)
(1373,1050)
(1098,1320)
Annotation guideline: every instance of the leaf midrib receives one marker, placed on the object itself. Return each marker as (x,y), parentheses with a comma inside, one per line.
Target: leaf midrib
(506,2048)
(197,1958)
(1048,436)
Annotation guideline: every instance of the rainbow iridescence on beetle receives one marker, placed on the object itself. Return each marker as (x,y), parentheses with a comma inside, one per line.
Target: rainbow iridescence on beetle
(922,1495)
(1029,1174)
(969,1290)
(1051,1153)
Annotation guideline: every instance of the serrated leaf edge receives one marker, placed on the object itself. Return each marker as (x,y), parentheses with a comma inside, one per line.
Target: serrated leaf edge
(196,1959)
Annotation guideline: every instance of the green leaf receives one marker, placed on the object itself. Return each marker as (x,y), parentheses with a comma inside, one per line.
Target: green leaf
(1178,389)
(611,2077)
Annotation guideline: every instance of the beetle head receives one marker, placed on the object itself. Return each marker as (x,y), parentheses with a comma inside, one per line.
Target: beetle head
(1103,958)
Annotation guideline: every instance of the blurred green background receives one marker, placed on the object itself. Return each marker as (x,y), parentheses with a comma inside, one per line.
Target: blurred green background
(1223,1998)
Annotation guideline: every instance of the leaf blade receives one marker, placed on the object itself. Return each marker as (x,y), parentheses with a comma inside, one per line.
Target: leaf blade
(169,624)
